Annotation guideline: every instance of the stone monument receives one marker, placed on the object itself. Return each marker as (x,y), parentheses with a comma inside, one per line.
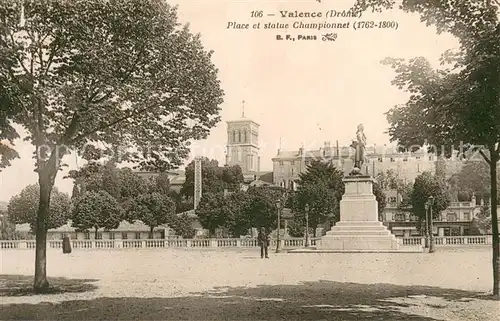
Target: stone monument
(359,228)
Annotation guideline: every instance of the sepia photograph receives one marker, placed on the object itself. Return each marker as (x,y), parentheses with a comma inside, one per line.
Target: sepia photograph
(250,160)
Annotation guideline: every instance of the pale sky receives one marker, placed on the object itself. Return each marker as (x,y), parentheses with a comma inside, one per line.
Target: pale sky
(304,91)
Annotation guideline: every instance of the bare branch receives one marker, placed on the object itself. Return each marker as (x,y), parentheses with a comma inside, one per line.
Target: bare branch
(486,158)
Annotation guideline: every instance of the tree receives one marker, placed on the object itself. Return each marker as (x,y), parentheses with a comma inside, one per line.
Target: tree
(238,212)
(209,212)
(22,207)
(474,179)
(214,177)
(322,188)
(153,209)
(261,208)
(380,198)
(95,210)
(482,223)
(115,72)
(426,185)
(458,105)
(183,226)
(130,183)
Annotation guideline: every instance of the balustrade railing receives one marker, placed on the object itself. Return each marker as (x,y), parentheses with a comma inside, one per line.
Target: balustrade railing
(286,243)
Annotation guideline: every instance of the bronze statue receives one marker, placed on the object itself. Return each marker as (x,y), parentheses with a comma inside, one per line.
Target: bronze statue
(359,145)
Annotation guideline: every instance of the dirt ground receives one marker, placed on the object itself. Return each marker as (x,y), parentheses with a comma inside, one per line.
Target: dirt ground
(178,284)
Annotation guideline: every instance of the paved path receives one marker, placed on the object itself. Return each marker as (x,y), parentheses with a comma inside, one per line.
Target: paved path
(238,285)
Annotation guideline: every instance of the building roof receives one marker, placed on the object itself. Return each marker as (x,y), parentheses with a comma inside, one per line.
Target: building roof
(346,151)
(259,183)
(267,177)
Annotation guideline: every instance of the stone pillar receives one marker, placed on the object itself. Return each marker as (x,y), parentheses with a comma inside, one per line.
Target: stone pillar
(197,181)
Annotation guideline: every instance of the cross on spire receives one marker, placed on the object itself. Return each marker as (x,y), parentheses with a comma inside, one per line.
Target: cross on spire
(243,109)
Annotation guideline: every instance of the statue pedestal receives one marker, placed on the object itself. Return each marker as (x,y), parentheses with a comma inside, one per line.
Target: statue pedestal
(359,228)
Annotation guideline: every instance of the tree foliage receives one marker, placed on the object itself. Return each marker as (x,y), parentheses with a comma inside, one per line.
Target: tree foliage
(321,187)
(153,209)
(23,207)
(120,73)
(95,210)
(215,178)
(262,208)
(183,226)
(426,185)
(209,212)
(457,106)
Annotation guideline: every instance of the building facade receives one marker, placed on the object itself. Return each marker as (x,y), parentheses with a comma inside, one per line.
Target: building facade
(287,165)
(243,145)
(455,220)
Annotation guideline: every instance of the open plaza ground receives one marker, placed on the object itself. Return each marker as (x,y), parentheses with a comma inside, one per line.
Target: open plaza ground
(180,284)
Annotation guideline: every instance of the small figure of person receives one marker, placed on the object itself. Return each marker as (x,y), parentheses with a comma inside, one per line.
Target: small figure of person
(263,240)
(66,245)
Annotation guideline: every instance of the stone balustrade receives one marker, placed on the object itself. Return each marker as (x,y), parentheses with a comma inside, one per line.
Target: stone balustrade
(286,243)
(450,240)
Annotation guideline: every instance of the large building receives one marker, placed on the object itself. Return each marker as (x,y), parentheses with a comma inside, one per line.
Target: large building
(453,221)
(243,145)
(287,165)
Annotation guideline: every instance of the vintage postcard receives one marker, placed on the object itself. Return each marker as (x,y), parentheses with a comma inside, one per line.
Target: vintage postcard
(249,159)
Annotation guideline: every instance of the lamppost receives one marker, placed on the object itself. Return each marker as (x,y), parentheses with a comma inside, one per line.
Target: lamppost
(431,234)
(427,224)
(307,225)
(278,243)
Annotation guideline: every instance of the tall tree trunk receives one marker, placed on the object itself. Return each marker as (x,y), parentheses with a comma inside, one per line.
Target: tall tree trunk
(151,235)
(40,284)
(494,222)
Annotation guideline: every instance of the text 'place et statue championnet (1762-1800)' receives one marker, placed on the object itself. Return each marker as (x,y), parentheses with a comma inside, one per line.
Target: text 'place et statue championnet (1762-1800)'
(331,19)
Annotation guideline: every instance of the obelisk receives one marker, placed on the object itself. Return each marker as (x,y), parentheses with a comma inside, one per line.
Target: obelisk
(197,181)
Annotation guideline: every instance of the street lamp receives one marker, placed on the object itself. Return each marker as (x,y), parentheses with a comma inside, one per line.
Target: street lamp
(431,247)
(307,225)
(427,224)
(278,206)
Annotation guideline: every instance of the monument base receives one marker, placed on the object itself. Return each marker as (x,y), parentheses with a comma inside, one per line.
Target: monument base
(359,228)
(358,236)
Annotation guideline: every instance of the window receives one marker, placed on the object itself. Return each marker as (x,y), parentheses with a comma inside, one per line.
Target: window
(392,160)
(99,236)
(137,235)
(86,236)
(239,136)
(380,159)
(392,199)
(234,137)
(124,235)
(245,136)
(418,157)
(111,235)
(399,217)
(451,217)
(430,158)
(405,159)
(467,216)
(281,163)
